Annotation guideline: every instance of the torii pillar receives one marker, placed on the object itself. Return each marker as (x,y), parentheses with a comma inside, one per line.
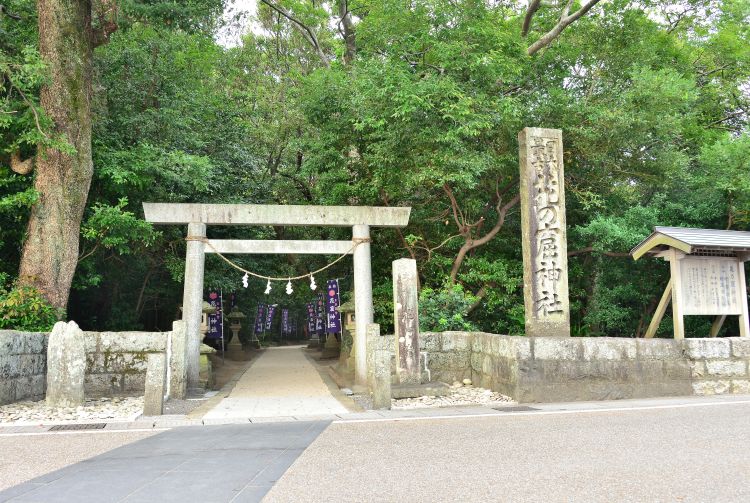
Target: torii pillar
(198,216)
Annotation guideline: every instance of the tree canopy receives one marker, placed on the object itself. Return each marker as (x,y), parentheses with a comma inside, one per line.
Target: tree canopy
(400,103)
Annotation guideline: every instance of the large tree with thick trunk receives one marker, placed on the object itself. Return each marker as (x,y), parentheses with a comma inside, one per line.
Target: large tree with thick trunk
(67,38)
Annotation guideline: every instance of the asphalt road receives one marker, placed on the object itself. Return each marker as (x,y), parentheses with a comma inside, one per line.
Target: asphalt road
(23,457)
(699,454)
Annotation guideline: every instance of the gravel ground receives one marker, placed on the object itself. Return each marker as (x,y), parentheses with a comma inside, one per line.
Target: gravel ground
(97,409)
(459,395)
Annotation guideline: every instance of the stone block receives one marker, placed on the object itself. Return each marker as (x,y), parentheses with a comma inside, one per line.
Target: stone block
(718,387)
(477,342)
(648,371)
(155,385)
(487,365)
(494,344)
(91,342)
(134,383)
(98,385)
(563,371)
(24,388)
(556,348)
(457,341)
(456,360)
(430,341)
(7,391)
(504,346)
(521,346)
(10,366)
(741,386)
(66,365)
(607,348)
(476,361)
(675,387)
(659,349)
(677,370)
(726,368)
(132,342)
(34,343)
(38,385)
(706,348)
(12,342)
(740,346)
(30,364)
(416,390)
(697,368)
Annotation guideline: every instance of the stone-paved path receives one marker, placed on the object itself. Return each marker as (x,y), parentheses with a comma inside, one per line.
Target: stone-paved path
(283,382)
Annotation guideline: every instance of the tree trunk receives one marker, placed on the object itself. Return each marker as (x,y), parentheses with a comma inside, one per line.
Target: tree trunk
(50,252)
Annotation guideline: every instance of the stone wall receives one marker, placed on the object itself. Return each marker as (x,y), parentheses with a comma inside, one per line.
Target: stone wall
(23,364)
(116,361)
(545,369)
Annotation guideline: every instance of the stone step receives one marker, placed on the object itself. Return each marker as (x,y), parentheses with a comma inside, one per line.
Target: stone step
(415,390)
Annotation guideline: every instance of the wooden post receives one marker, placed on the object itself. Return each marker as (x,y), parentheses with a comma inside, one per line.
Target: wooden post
(674,257)
(744,327)
(660,310)
(716,325)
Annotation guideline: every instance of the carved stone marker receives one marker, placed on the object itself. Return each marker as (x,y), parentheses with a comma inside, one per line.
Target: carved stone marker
(66,365)
(380,369)
(406,320)
(156,379)
(544,239)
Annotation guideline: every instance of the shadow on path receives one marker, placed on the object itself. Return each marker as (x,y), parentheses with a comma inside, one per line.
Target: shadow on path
(228,463)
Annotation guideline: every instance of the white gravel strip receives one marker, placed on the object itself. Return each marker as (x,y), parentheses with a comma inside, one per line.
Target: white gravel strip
(459,395)
(109,409)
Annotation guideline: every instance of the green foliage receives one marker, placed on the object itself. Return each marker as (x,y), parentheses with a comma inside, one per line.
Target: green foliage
(445,309)
(653,114)
(23,308)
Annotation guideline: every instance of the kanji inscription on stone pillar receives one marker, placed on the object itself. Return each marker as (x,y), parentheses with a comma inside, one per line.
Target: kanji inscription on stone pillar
(544,237)
(406,320)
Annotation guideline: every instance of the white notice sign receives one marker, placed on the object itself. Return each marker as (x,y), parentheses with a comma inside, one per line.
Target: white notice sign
(710,285)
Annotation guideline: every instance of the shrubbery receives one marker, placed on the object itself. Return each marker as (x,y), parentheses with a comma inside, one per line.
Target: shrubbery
(24,308)
(445,309)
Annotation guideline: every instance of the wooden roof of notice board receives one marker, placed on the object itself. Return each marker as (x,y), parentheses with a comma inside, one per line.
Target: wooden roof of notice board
(690,240)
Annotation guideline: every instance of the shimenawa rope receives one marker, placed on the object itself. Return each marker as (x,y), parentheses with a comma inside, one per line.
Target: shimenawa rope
(356,241)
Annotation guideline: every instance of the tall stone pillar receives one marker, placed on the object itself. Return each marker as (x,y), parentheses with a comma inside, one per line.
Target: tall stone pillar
(177,363)
(192,302)
(363,310)
(406,320)
(544,237)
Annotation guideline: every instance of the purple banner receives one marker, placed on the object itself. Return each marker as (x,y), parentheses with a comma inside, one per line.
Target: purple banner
(320,326)
(311,316)
(260,318)
(333,317)
(285,325)
(270,311)
(216,320)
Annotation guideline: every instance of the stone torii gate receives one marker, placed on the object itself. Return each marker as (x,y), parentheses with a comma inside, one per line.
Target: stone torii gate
(198,216)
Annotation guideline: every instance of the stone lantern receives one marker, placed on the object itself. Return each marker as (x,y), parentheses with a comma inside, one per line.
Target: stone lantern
(206,310)
(235,345)
(348,330)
